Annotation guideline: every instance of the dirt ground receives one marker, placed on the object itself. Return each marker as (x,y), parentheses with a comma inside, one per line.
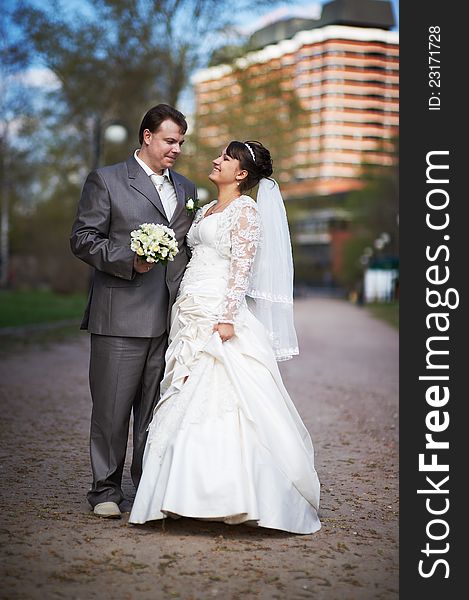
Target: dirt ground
(345,386)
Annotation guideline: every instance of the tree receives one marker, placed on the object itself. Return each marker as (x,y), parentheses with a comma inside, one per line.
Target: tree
(374,210)
(258,103)
(16,166)
(113,59)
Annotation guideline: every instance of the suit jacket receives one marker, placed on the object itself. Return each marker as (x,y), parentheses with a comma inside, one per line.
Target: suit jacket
(114,201)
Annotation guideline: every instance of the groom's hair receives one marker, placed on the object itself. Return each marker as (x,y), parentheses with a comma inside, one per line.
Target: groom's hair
(159,113)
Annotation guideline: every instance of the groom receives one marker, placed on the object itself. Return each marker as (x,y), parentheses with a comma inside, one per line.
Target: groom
(130,300)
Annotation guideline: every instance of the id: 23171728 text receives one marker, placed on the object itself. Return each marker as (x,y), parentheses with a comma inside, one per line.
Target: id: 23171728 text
(434,72)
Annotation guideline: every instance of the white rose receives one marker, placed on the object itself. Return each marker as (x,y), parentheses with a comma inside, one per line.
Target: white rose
(190,204)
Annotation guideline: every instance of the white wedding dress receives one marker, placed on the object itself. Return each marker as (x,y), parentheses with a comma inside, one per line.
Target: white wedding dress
(226,442)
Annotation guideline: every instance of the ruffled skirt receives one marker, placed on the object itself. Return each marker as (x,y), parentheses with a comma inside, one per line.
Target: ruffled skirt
(226,442)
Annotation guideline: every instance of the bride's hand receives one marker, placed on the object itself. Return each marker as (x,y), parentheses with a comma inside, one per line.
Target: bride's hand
(225,331)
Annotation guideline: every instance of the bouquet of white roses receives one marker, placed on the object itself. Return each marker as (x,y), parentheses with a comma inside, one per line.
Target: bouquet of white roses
(154,243)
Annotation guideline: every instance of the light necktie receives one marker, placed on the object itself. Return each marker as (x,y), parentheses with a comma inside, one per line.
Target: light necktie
(158,182)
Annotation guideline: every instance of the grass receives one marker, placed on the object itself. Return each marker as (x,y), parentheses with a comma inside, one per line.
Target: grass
(387,311)
(38,318)
(23,308)
(41,338)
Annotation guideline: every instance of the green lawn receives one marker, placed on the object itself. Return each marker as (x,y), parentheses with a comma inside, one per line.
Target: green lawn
(34,307)
(387,311)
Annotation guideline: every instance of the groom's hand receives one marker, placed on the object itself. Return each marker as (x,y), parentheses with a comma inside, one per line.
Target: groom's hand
(225,331)
(142,266)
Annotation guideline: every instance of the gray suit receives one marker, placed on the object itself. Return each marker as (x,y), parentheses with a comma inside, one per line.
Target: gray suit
(127,313)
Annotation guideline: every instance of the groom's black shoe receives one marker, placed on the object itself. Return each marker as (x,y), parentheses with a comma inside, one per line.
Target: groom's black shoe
(108,510)
(125,506)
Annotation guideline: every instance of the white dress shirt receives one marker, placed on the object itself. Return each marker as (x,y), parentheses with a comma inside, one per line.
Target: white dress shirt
(163,186)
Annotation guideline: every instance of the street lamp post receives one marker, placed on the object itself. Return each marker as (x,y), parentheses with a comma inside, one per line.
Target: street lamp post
(111,130)
(381,241)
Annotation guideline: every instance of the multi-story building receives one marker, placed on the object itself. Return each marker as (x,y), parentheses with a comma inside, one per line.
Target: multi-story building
(335,106)
(344,71)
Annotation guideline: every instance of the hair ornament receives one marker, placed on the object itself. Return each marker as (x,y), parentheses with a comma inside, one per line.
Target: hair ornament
(251,151)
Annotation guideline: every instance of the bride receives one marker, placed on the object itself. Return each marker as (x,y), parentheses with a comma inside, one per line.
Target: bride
(226,442)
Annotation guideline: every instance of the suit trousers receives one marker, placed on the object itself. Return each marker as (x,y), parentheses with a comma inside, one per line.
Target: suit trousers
(125,375)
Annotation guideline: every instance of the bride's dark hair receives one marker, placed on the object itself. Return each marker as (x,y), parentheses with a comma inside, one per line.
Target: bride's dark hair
(258,167)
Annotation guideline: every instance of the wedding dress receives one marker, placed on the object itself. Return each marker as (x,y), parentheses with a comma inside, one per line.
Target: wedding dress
(226,442)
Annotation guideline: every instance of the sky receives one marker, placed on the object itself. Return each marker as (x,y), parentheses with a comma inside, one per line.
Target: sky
(306,8)
(303,8)
(39,77)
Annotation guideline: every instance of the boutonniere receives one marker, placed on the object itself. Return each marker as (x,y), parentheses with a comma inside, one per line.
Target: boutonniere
(191,205)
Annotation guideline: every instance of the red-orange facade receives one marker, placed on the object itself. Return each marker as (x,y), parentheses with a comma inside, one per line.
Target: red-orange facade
(346,80)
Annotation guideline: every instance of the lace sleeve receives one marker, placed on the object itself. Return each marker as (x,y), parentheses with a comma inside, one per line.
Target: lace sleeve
(245,236)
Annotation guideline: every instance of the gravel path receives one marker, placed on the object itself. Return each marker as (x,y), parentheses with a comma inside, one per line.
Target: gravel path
(344,384)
